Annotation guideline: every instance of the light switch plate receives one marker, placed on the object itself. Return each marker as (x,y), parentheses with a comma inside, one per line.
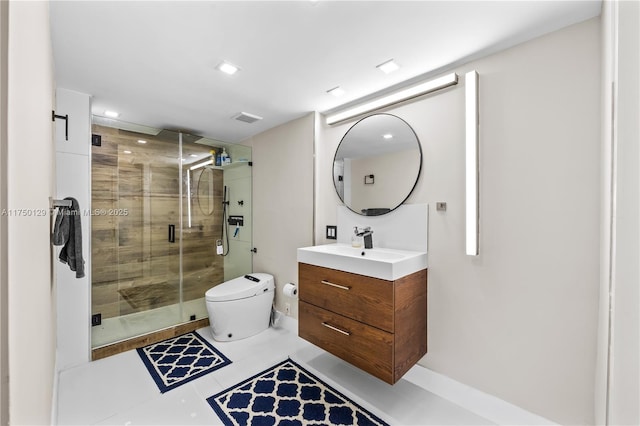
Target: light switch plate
(332,232)
(441,206)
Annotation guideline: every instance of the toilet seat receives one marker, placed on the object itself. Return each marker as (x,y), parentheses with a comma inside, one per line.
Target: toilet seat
(240,288)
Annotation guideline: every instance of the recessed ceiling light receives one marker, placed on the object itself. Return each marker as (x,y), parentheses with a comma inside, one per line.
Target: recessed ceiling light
(388,67)
(227,68)
(111,114)
(387,136)
(336,91)
(142,141)
(194,155)
(126,151)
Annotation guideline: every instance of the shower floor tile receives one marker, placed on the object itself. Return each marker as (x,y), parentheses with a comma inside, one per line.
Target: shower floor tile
(122,327)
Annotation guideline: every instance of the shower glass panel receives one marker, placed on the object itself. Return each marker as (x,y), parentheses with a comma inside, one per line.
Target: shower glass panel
(158,216)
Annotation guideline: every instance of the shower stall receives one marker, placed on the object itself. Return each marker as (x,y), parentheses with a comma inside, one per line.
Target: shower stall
(168,222)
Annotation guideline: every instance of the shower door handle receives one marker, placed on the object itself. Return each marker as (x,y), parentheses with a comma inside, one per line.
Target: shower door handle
(172,233)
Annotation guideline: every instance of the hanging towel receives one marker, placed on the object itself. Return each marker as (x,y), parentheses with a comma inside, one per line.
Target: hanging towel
(67,232)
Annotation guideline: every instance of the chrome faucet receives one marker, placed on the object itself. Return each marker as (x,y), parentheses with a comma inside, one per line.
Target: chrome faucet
(365,233)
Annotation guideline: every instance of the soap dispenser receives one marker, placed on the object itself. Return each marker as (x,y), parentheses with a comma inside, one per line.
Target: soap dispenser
(225,159)
(356,240)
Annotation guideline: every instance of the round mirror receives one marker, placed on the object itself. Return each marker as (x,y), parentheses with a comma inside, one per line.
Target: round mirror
(377,164)
(204,191)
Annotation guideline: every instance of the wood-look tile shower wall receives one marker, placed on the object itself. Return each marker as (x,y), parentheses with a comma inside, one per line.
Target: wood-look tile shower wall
(135,197)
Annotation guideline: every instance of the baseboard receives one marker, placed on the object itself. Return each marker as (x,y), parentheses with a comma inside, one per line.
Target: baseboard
(54,391)
(484,405)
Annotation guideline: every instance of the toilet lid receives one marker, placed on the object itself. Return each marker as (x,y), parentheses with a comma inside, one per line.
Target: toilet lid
(240,288)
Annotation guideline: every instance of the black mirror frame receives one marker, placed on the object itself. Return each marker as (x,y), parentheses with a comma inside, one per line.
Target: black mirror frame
(415,183)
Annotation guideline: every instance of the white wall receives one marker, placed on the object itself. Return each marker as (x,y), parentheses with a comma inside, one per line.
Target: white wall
(518,321)
(282,200)
(405,229)
(4,329)
(73,164)
(618,374)
(30,173)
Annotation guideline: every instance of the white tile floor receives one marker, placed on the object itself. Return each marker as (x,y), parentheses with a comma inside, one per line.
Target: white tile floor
(119,391)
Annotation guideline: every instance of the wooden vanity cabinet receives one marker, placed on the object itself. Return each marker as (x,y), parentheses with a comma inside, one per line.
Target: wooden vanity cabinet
(377,325)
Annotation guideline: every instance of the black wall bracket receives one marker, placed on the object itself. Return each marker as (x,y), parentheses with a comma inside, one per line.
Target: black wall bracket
(96,319)
(66,123)
(236,220)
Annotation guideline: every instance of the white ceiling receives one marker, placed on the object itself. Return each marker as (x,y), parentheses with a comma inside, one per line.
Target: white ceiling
(154,62)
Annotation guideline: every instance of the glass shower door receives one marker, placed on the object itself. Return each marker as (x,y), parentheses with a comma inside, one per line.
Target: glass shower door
(216,231)
(135,242)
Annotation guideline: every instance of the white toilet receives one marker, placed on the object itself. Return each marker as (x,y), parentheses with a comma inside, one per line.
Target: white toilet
(240,307)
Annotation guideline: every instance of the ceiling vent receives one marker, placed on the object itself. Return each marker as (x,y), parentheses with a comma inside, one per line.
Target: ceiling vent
(246,117)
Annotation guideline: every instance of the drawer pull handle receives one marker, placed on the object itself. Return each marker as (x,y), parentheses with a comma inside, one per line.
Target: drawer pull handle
(343,287)
(346,333)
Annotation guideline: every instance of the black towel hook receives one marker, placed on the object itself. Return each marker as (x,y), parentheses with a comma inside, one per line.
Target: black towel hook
(66,123)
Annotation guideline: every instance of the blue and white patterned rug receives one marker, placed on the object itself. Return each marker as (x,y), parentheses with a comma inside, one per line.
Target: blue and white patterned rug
(287,394)
(176,361)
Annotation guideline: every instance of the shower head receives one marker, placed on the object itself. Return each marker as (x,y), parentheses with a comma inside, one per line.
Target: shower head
(174,135)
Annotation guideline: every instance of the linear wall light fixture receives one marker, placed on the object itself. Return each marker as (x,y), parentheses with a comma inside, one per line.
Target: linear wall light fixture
(394,98)
(471,167)
(199,165)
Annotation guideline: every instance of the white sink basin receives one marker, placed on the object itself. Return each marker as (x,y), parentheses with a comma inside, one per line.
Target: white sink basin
(383,263)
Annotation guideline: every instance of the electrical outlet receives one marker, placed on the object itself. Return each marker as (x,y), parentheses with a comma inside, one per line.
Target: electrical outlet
(332,232)
(287,309)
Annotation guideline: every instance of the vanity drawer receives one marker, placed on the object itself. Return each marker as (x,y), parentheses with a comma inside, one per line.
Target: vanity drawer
(368,348)
(365,299)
